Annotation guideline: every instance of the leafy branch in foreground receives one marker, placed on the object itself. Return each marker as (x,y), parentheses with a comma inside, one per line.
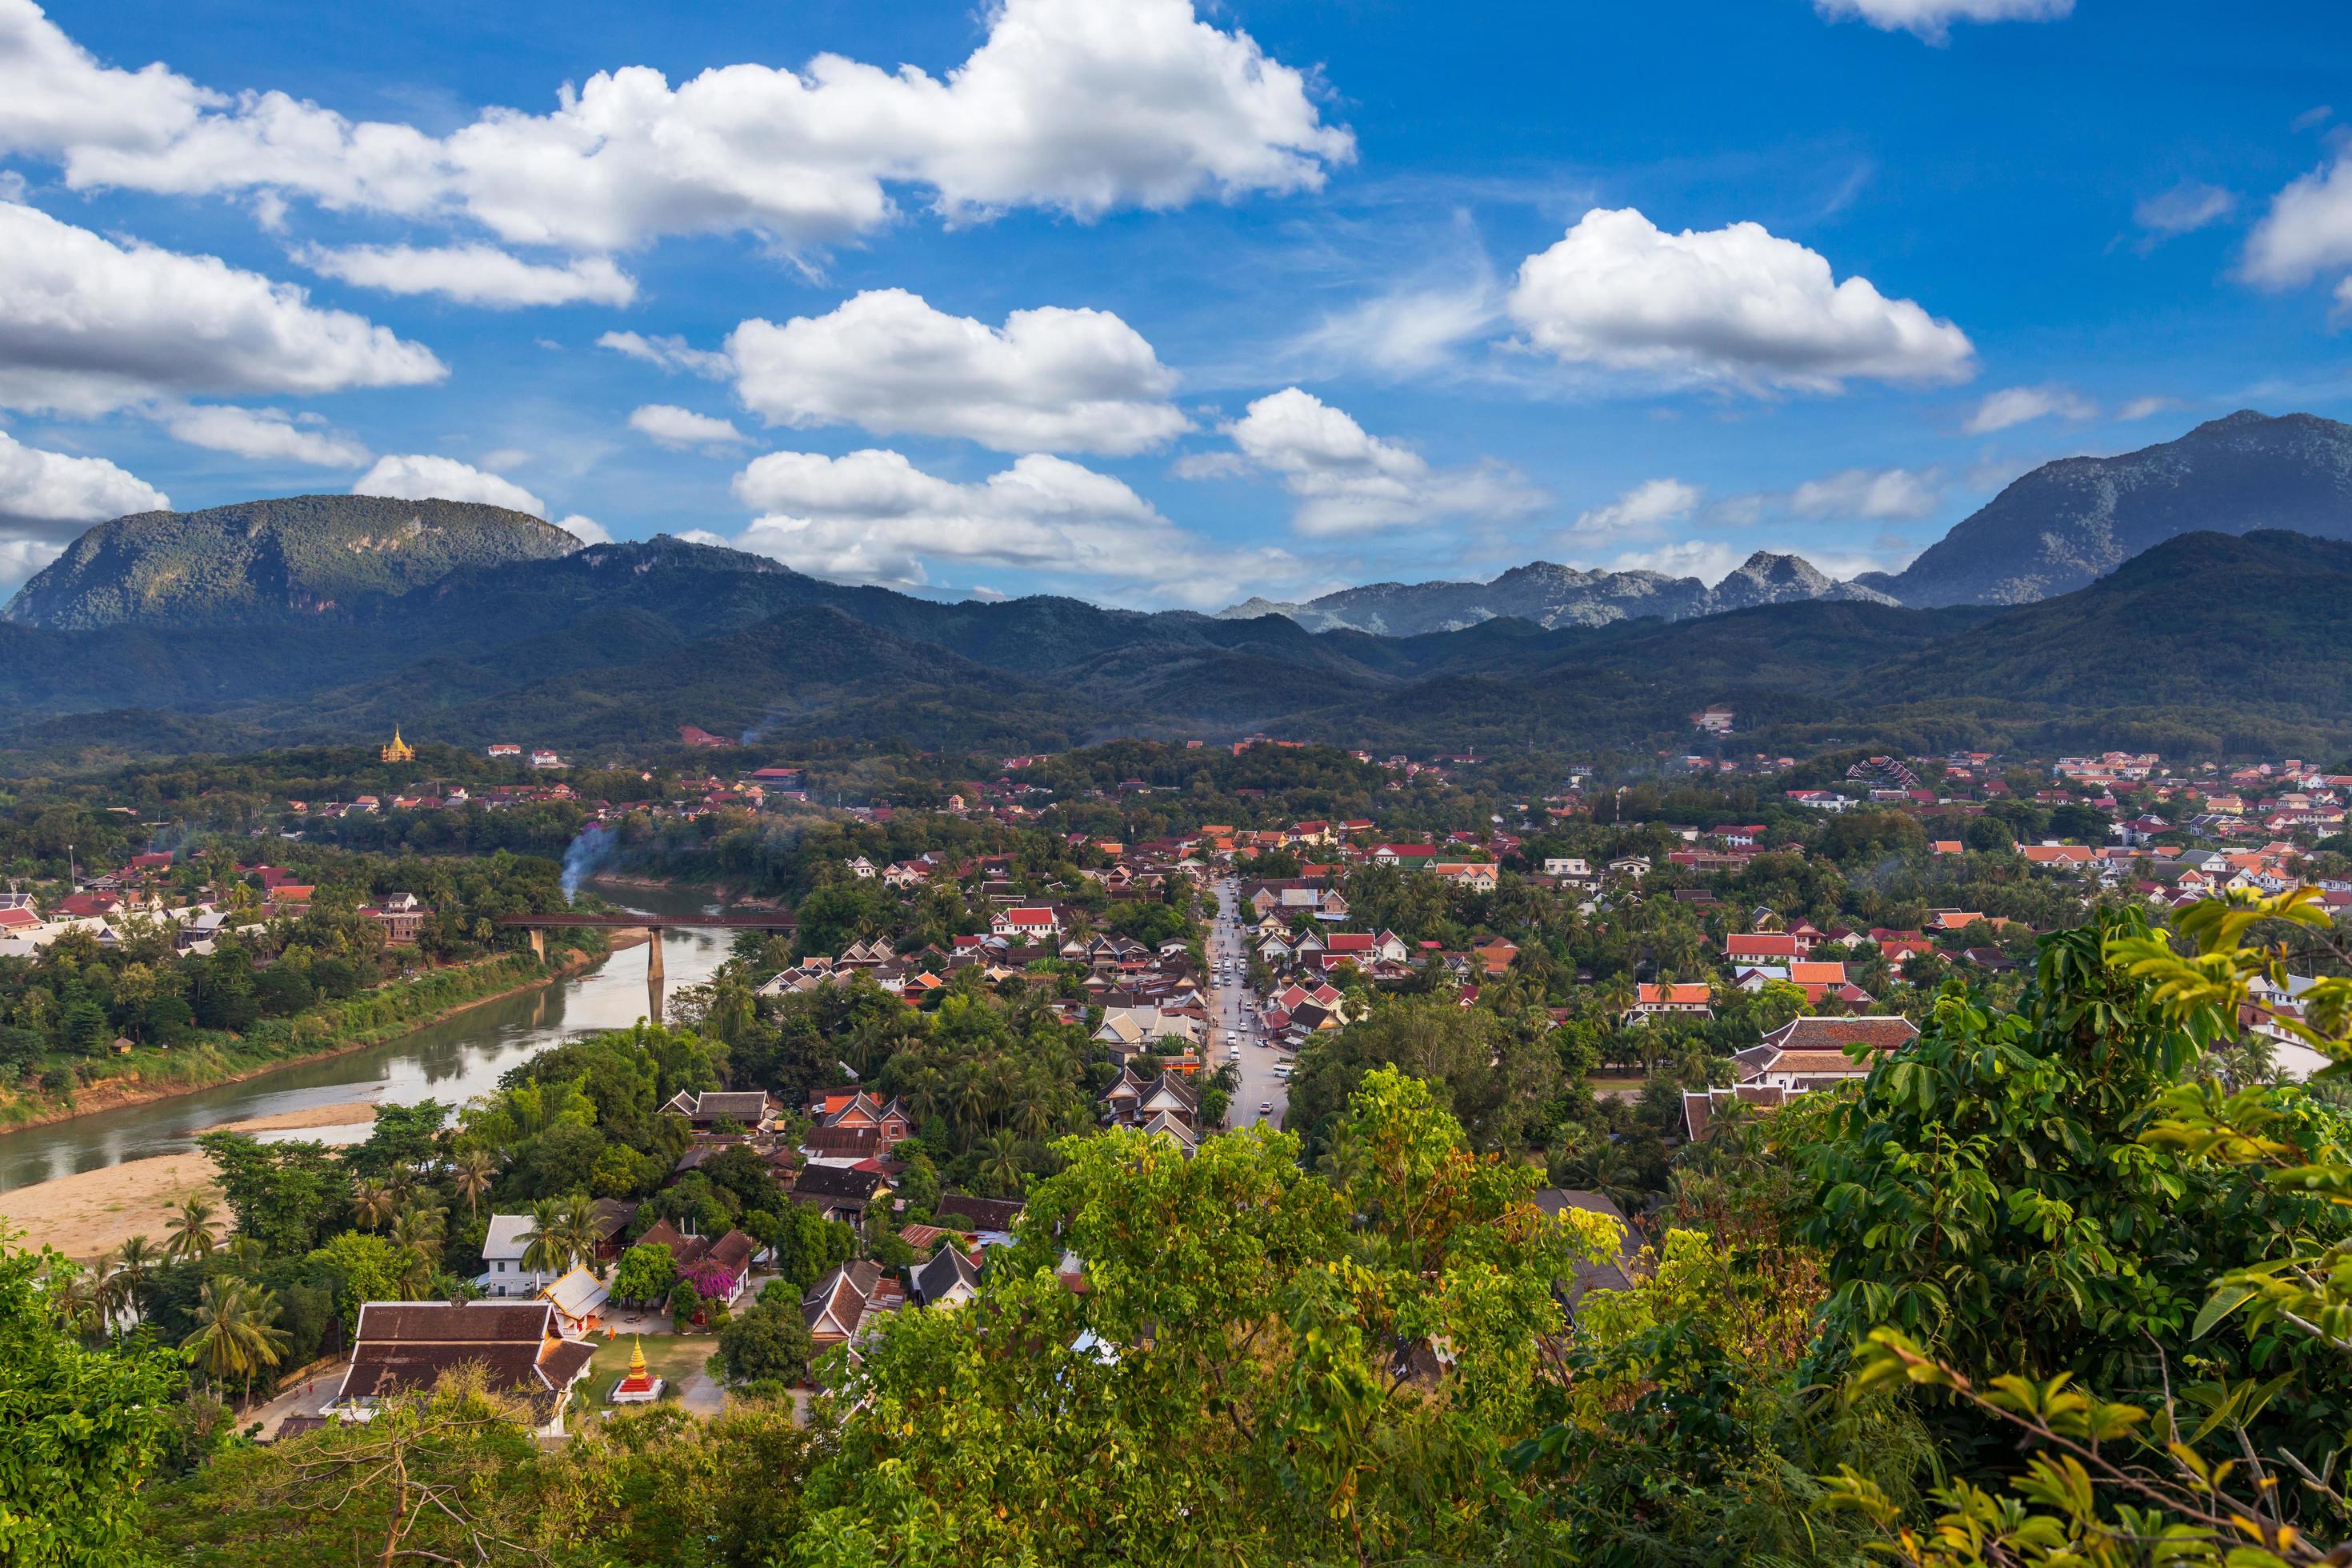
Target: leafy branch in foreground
(2114,1482)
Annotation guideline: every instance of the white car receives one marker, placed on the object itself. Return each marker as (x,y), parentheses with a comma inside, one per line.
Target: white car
(1265,1108)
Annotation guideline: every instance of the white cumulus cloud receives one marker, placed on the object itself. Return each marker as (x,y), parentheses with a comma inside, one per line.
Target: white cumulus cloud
(886,360)
(1735,306)
(667,425)
(473,275)
(873,517)
(1932,19)
(586,529)
(2307,230)
(46,498)
(418,476)
(1072,105)
(1346,479)
(89,325)
(2018,404)
(267,434)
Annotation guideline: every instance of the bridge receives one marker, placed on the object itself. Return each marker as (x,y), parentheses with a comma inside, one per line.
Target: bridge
(653,926)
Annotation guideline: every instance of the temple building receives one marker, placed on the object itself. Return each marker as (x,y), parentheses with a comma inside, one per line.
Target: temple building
(399,751)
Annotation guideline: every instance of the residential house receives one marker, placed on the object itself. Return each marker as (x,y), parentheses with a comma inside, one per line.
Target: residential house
(1689,999)
(842,1307)
(1810,1053)
(503,1247)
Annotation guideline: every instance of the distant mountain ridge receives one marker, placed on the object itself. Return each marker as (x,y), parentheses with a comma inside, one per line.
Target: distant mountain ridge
(2207,644)
(2069,522)
(294,557)
(1551,597)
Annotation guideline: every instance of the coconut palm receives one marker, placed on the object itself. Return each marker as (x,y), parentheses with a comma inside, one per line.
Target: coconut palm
(545,1247)
(193,1233)
(79,1300)
(472,1178)
(244,1253)
(236,1330)
(578,1227)
(417,1234)
(372,1203)
(1000,1159)
(134,1267)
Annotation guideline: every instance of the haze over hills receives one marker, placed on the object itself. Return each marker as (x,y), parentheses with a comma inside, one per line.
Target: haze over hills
(1551,596)
(261,561)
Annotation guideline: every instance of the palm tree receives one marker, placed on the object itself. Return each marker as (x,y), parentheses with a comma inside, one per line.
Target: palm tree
(236,1330)
(418,1235)
(471,1177)
(134,1267)
(545,1248)
(244,1253)
(1000,1159)
(193,1233)
(578,1228)
(81,1300)
(372,1203)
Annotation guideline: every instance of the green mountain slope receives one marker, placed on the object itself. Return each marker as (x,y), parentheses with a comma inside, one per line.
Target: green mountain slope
(2206,642)
(264,562)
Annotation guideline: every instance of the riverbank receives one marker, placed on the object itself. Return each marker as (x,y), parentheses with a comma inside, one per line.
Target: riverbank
(151,1076)
(89,1214)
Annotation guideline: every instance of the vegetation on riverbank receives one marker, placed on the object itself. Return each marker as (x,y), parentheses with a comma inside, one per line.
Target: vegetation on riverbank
(205,1057)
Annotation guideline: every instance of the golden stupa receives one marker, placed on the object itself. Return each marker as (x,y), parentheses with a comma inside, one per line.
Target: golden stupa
(399,751)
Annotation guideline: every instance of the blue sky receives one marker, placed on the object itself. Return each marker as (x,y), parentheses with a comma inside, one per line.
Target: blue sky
(1157,303)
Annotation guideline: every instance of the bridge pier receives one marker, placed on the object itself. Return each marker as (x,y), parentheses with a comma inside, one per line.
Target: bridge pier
(654,974)
(539,944)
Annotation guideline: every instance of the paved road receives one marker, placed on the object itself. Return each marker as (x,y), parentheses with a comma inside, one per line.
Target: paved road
(1230,1020)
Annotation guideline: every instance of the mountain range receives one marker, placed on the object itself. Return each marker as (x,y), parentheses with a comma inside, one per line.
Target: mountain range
(2206,644)
(327,619)
(2051,532)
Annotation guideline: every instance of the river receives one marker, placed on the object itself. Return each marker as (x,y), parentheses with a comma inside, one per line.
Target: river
(450,1061)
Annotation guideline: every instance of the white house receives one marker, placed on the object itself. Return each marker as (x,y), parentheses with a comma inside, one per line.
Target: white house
(502,1271)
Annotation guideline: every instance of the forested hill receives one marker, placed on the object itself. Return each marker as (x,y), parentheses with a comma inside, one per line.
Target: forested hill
(2205,644)
(266,561)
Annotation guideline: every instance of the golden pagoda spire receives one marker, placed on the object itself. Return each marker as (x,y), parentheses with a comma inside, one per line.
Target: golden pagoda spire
(399,751)
(637,1360)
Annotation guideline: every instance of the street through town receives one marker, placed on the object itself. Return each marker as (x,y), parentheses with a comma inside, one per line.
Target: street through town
(1233,1019)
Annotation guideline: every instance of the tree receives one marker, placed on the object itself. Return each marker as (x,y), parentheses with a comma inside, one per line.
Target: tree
(1253,1326)
(365,1268)
(552,1243)
(471,1176)
(281,1194)
(87,1426)
(193,1232)
(644,1273)
(236,1333)
(135,1262)
(768,1342)
(372,1203)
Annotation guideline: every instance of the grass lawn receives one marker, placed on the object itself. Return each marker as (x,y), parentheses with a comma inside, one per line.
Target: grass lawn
(671,1357)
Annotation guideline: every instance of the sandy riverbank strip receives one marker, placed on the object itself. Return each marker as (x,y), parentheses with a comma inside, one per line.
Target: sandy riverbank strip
(93,1212)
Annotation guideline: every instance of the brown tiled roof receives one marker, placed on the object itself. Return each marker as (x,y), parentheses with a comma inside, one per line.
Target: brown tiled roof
(985,1214)
(406,1345)
(731,1252)
(842,1143)
(1836,1034)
